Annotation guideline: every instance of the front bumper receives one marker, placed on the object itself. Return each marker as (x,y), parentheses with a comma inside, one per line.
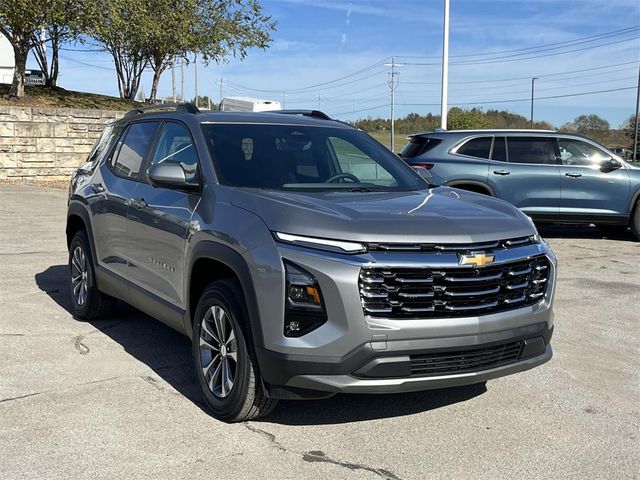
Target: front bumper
(367,370)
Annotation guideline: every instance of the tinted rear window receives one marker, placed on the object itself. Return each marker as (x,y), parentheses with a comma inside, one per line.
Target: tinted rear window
(531,150)
(419,145)
(476,147)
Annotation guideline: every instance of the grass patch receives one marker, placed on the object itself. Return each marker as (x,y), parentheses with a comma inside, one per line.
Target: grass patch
(61,98)
(385,139)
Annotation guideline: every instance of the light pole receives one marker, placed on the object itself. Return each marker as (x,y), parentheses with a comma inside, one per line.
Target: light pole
(393,85)
(635,127)
(533,86)
(445,68)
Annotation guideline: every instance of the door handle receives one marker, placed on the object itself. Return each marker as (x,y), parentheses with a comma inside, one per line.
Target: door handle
(97,188)
(138,203)
(573,174)
(501,172)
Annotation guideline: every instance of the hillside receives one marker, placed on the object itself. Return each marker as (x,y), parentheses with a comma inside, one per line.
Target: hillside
(61,98)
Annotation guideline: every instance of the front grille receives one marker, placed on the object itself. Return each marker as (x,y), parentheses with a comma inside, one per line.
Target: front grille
(443,363)
(452,292)
(451,247)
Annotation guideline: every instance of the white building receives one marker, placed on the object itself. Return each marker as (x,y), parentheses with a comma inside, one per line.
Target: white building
(7,61)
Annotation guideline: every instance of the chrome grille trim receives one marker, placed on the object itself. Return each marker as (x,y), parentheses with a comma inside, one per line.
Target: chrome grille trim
(454,291)
(451,247)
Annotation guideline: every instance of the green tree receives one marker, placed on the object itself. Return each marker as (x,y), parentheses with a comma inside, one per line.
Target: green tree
(210,29)
(121,28)
(459,119)
(64,21)
(19,22)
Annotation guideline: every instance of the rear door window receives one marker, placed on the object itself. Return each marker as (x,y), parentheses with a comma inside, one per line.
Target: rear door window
(132,149)
(476,147)
(531,150)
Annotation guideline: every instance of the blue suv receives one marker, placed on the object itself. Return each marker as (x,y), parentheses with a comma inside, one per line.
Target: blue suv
(551,176)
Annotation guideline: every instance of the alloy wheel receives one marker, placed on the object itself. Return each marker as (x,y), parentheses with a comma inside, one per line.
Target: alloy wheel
(218,351)
(79,275)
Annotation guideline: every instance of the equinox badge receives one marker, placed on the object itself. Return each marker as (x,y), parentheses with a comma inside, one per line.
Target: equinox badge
(476,259)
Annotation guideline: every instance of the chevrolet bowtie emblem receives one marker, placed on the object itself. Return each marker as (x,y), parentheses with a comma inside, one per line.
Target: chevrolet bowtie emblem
(476,259)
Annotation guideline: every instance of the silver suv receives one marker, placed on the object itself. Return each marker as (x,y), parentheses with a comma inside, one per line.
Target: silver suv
(303,258)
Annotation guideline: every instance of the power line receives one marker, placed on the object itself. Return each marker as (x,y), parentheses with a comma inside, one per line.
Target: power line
(635,62)
(525,99)
(566,43)
(508,58)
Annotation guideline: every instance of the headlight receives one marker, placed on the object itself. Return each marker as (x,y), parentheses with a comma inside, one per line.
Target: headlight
(321,243)
(304,308)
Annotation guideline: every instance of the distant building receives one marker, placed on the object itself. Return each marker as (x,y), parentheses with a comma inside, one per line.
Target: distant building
(7,61)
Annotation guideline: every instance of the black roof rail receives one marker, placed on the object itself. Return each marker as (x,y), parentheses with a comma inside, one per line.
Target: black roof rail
(305,113)
(187,107)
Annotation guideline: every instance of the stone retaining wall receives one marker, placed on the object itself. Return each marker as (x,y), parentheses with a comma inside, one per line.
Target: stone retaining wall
(47,143)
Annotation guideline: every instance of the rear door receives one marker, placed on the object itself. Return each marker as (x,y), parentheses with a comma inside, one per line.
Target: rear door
(524,172)
(588,186)
(160,219)
(112,190)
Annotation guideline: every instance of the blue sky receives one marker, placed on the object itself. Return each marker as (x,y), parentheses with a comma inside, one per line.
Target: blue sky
(321,41)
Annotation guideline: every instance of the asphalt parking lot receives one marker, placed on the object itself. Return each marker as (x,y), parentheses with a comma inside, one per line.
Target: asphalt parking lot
(118,399)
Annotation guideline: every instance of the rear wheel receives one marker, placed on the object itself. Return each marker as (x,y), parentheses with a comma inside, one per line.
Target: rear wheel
(87,301)
(224,356)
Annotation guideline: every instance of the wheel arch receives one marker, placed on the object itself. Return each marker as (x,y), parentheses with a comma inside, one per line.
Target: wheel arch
(78,219)
(211,261)
(473,186)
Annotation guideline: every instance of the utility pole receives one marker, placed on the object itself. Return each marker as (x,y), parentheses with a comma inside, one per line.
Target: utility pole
(221,84)
(283,99)
(182,80)
(393,85)
(195,66)
(444,88)
(173,78)
(319,98)
(635,128)
(533,86)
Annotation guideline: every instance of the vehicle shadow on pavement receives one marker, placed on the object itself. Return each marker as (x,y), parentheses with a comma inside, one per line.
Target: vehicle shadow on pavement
(168,354)
(584,231)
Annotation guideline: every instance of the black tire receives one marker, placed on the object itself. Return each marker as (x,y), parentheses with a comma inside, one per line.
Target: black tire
(634,222)
(94,304)
(245,399)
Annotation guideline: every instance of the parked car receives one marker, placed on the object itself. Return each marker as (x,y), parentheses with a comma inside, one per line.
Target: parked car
(551,176)
(303,258)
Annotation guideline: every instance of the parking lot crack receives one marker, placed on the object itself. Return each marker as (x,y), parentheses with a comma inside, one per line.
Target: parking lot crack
(321,457)
(269,436)
(80,346)
(318,456)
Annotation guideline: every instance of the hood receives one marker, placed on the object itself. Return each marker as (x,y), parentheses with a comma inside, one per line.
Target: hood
(436,215)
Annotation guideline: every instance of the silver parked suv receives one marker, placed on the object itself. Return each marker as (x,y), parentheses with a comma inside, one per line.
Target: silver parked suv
(303,258)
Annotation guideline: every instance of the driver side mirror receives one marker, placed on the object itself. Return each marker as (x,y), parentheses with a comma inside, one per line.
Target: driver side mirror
(610,165)
(169,175)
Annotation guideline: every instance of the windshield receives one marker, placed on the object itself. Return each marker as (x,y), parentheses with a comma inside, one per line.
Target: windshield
(291,157)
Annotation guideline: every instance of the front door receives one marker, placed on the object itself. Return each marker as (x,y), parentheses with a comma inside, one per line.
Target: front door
(526,175)
(159,220)
(589,185)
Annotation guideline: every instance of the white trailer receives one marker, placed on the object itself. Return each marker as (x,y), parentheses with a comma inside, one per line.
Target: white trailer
(248,104)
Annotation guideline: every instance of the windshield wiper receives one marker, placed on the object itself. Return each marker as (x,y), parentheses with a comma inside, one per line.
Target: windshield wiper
(360,189)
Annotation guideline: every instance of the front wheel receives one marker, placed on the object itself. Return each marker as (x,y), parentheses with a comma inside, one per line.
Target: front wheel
(224,357)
